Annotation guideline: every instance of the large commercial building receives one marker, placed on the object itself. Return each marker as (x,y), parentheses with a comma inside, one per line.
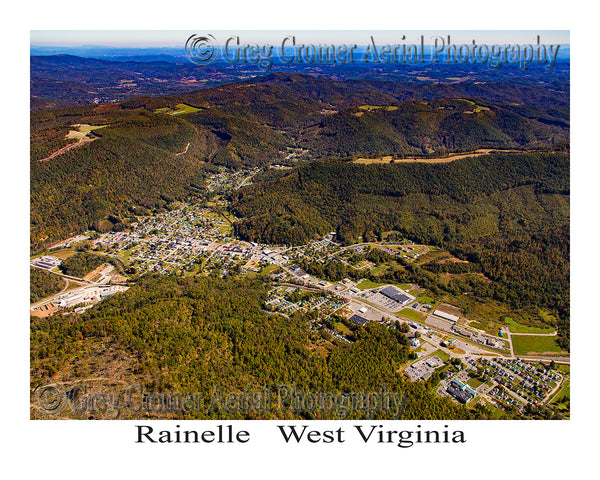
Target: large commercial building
(462,392)
(358,319)
(424,368)
(88,294)
(47,262)
(446,316)
(397,295)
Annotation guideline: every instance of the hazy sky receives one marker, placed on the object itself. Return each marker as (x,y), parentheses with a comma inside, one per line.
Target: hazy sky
(170,38)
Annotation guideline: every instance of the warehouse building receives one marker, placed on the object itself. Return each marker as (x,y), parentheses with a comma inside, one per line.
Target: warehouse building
(445,316)
(461,331)
(46,262)
(397,295)
(358,319)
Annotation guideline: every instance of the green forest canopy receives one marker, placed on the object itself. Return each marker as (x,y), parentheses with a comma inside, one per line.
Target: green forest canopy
(192,334)
(507,213)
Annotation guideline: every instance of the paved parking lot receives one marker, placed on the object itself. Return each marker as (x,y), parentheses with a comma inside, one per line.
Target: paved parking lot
(439,323)
(385,302)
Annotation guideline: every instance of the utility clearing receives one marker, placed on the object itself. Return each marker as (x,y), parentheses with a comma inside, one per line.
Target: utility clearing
(81,134)
(446,159)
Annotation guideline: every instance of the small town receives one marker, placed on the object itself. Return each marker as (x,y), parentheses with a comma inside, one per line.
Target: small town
(472,365)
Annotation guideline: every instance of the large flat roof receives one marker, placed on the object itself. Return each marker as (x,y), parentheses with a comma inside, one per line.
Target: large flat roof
(358,319)
(447,316)
(395,294)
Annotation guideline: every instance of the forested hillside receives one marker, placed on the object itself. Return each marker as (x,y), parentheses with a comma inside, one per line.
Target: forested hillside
(506,213)
(131,164)
(419,127)
(151,151)
(43,284)
(188,335)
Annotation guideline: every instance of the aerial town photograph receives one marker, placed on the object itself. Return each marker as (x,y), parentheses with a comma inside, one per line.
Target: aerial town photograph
(335,217)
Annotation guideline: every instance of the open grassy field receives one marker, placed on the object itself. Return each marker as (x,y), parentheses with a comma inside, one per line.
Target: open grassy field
(415,292)
(183,108)
(377,271)
(561,400)
(63,253)
(269,269)
(343,329)
(477,325)
(366,284)
(563,391)
(90,128)
(440,353)
(75,134)
(411,315)
(547,317)
(474,382)
(368,161)
(368,108)
(82,131)
(450,158)
(432,255)
(514,327)
(495,412)
(180,108)
(488,316)
(563,368)
(426,299)
(524,344)
(225,229)
(72,285)
(194,270)
(124,255)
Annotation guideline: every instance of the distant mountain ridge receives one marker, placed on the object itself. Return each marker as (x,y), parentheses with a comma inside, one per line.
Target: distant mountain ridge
(138,73)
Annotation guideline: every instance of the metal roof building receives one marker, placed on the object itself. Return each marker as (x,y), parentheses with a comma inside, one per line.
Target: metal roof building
(446,316)
(358,319)
(394,294)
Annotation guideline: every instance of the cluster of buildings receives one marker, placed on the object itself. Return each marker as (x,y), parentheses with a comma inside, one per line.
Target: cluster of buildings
(70,241)
(88,295)
(279,299)
(460,391)
(421,307)
(46,262)
(424,368)
(227,180)
(531,383)
(299,273)
(170,240)
(111,239)
(504,398)
(480,338)
(316,250)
